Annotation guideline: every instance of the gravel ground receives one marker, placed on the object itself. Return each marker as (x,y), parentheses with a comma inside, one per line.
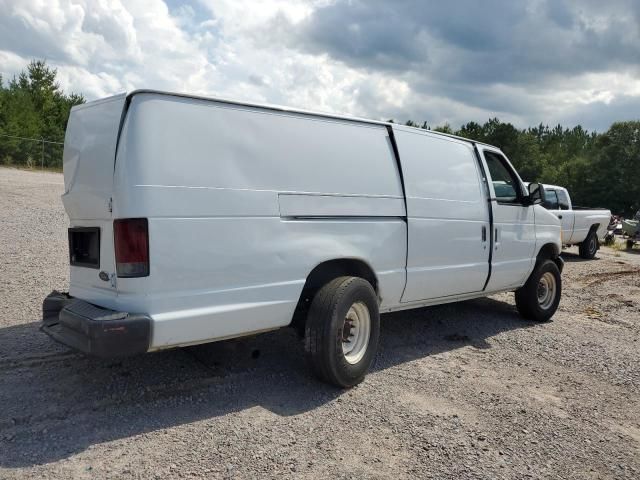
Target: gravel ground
(467,390)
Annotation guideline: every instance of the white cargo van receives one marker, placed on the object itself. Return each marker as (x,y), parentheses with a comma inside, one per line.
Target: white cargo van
(196,219)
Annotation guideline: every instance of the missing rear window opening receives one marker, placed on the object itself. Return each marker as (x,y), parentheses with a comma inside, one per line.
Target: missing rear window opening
(84,247)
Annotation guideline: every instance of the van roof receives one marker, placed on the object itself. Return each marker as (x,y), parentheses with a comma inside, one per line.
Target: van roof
(282,108)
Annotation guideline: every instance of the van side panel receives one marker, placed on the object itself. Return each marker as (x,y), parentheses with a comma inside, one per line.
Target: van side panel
(243,202)
(190,142)
(447,215)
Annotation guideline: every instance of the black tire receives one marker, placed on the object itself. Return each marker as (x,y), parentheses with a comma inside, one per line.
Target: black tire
(325,328)
(629,244)
(589,246)
(527,296)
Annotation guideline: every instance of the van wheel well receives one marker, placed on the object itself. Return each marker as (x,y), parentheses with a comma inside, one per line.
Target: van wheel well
(549,251)
(323,274)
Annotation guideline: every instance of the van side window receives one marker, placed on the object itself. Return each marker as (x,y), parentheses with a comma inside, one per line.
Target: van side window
(505,183)
(563,200)
(551,202)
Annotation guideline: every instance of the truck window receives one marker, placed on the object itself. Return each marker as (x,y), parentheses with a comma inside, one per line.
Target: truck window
(505,183)
(551,202)
(563,200)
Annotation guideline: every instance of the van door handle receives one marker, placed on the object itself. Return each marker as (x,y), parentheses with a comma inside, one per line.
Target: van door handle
(484,233)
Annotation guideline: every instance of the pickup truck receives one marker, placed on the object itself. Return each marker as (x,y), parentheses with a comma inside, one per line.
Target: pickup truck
(195,219)
(585,227)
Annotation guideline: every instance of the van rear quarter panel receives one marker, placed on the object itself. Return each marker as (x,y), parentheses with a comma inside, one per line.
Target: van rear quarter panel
(243,202)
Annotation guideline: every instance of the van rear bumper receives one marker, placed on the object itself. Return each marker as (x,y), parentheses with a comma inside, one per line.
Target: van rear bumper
(94,330)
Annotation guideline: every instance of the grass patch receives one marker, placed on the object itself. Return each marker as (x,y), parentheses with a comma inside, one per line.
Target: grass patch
(621,245)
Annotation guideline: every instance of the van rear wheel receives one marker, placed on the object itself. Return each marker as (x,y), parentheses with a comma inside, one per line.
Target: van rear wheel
(538,299)
(342,331)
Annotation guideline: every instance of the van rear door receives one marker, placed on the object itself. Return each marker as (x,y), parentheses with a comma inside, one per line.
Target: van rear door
(88,165)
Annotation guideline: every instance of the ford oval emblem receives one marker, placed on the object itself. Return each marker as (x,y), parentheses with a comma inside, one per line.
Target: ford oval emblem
(104,276)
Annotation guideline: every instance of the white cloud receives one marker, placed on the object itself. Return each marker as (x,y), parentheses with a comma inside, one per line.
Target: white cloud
(101,47)
(242,49)
(104,46)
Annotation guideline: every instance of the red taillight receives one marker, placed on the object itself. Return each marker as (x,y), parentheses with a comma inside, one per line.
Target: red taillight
(131,238)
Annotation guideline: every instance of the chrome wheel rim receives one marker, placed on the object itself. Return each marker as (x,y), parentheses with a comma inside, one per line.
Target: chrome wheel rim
(355,333)
(546,290)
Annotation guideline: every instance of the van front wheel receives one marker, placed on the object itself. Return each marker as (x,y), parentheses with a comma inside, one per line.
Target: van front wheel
(342,331)
(538,299)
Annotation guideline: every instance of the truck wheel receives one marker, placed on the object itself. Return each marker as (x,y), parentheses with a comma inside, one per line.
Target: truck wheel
(342,331)
(589,246)
(629,244)
(538,299)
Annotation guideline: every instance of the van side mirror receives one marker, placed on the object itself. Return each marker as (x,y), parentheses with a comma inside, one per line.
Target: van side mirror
(536,194)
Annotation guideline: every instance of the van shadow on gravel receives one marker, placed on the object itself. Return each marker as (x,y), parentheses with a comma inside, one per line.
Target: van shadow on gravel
(57,403)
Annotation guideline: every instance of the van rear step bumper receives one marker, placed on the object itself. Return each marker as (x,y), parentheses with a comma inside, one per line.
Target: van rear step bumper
(94,330)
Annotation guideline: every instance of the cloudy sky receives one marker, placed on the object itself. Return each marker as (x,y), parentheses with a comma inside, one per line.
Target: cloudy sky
(452,61)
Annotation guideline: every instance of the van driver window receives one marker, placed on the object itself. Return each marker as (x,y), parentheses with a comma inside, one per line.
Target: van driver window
(504,182)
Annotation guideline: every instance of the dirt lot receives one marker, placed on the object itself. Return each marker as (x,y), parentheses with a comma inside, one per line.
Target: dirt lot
(459,391)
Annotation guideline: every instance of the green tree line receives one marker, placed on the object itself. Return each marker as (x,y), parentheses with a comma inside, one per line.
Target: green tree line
(32,105)
(599,169)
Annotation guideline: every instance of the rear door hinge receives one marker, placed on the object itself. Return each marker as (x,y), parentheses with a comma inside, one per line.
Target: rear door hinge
(110,205)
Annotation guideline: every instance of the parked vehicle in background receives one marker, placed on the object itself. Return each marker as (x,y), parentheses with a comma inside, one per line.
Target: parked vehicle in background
(197,219)
(585,227)
(615,224)
(631,229)
(614,228)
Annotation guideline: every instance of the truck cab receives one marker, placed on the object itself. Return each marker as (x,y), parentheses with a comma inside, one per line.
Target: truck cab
(585,227)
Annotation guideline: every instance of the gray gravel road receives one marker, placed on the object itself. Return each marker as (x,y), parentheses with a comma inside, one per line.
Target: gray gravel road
(459,391)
